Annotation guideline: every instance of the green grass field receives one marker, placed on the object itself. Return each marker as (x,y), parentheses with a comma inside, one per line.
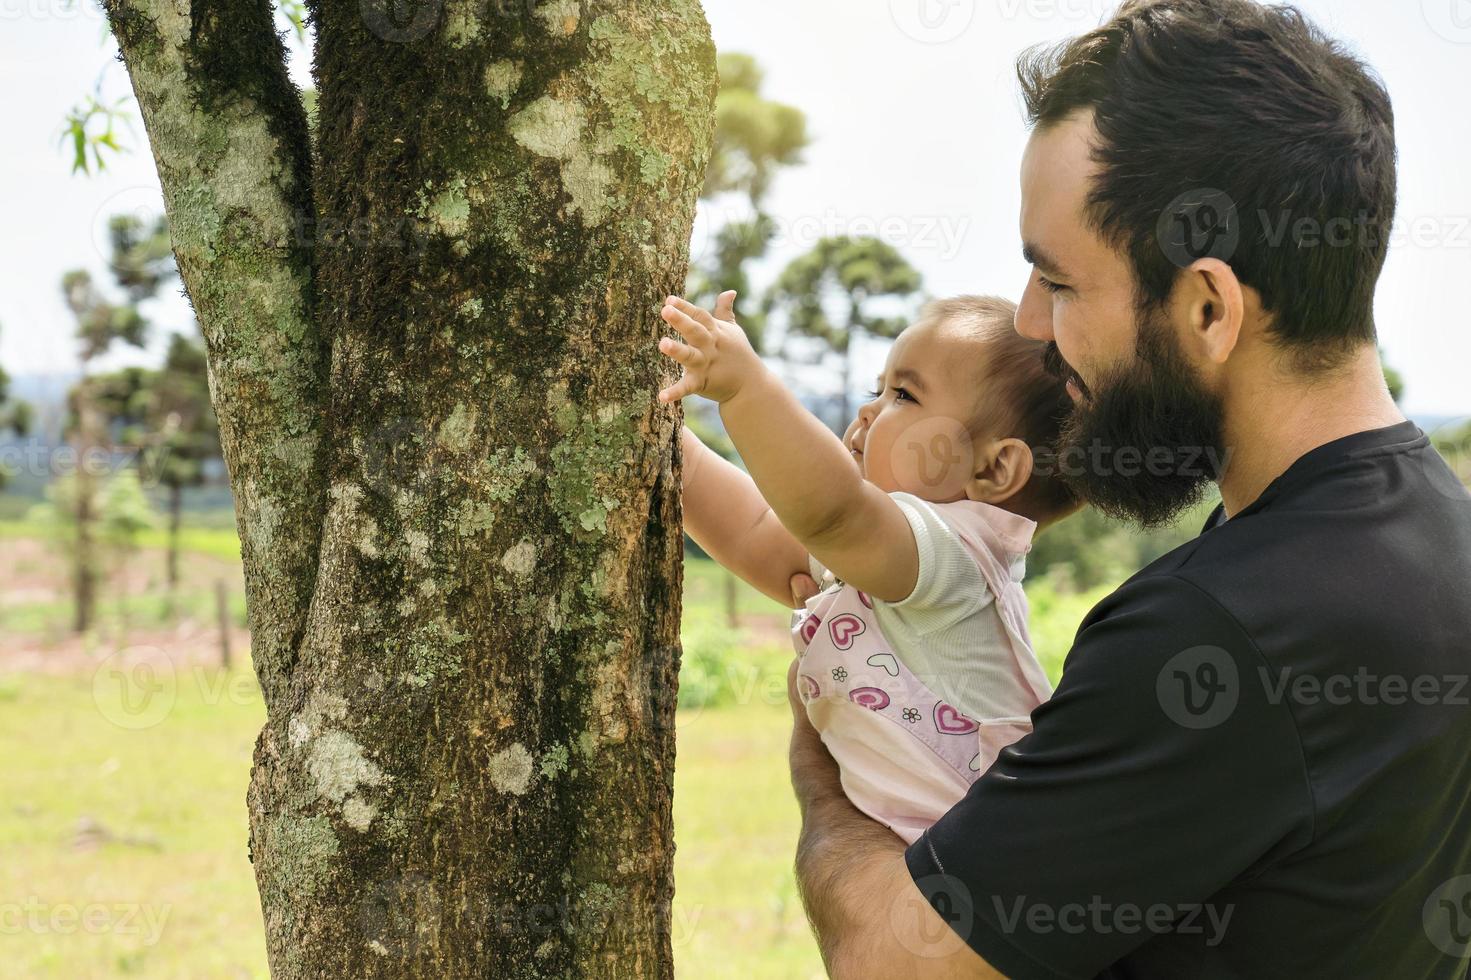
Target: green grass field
(123,849)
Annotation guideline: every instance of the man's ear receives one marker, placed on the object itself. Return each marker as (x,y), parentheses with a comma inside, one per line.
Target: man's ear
(1002,471)
(1213,303)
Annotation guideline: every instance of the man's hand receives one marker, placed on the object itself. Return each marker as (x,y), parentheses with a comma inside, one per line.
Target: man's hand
(716,357)
(804,587)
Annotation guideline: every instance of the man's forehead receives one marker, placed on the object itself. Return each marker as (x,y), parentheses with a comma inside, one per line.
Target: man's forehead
(1056,175)
(1061,153)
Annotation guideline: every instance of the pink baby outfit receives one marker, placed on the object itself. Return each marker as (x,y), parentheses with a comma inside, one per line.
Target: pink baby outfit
(905,749)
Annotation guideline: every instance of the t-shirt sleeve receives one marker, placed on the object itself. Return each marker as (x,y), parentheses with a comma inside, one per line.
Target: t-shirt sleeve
(949,585)
(1161,771)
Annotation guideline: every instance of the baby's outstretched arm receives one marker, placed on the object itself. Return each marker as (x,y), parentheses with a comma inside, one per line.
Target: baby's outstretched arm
(726,515)
(801,469)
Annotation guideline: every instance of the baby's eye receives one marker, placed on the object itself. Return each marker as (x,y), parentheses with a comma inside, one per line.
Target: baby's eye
(874,394)
(902,395)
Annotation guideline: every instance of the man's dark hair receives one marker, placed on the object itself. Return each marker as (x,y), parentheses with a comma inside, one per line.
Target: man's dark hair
(1197,96)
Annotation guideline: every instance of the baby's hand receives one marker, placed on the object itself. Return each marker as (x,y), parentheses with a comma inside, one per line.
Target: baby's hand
(717,358)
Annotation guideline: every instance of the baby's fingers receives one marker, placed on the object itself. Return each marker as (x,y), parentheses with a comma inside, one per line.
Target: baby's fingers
(699,314)
(683,353)
(687,385)
(687,327)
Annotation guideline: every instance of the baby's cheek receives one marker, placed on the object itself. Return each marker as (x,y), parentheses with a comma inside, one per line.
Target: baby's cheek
(933,458)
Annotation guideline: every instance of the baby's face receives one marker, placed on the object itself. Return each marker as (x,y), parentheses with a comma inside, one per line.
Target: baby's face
(912,436)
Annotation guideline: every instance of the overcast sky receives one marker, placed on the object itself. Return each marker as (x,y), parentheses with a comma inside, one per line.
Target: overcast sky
(917,138)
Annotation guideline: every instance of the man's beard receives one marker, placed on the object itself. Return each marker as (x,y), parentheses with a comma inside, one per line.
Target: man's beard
(1144,442)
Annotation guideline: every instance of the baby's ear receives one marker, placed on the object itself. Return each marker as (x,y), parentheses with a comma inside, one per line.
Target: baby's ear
(1002,471)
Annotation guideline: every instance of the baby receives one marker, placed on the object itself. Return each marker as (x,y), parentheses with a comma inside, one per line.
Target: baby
(915,664)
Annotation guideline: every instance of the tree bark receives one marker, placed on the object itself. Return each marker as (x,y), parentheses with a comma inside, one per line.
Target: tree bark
(431,352)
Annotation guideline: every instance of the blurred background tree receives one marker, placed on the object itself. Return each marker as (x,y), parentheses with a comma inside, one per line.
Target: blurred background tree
(855,275)
(755,138)
(165,413)
(141,261)
(15,417)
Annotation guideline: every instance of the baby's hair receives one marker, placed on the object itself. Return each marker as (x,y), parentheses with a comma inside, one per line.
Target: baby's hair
(1021,398)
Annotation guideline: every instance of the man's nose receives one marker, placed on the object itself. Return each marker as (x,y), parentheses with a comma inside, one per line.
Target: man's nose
(1034,314)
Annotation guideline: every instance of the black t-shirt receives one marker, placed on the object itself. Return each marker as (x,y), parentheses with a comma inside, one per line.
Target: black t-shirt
(1257,762)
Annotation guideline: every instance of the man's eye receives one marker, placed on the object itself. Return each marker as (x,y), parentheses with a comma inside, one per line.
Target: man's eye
(1049,285)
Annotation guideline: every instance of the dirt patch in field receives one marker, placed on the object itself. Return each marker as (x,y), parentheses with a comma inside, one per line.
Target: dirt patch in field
(36,611)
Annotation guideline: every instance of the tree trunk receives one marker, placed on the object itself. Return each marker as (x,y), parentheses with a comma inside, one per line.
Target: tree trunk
(432,354)
(176,519)
(84,557)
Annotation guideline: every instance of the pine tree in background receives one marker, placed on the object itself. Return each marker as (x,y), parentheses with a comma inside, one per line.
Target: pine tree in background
(854,274)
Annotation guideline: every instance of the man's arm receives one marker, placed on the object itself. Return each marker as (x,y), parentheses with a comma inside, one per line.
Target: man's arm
(727,516)
(870,918)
